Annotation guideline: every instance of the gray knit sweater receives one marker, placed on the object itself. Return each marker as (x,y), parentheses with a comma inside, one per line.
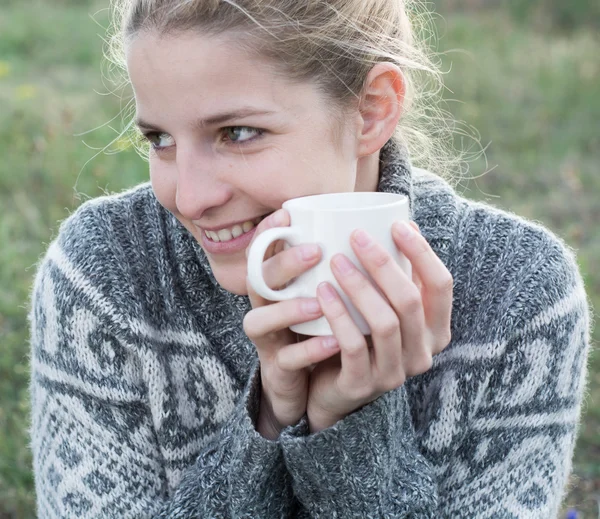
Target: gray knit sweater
(145,389)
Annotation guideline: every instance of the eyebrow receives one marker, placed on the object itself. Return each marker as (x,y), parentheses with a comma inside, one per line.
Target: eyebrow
(213,120)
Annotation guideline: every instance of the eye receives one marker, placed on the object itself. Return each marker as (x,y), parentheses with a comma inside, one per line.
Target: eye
(241,134)
(159,141)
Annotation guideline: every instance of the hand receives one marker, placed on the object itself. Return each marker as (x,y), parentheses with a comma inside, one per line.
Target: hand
(284,361)
(408,326)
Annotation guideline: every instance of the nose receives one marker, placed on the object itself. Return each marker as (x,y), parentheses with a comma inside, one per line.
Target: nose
(199,186)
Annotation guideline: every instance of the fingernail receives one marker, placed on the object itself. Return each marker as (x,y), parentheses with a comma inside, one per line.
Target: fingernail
(404,230)
(329,343)
(327,292)
(361,238)
(308,252)
(311,306)
(276,218)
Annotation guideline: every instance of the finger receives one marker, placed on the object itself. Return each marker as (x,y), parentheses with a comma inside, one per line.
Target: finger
(355,354)
(262,323)
(290,263)
(304,354)
(279,218)
(415,277)
(380,314)
(403,299)
(437,283)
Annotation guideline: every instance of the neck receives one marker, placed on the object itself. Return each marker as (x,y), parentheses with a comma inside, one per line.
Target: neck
(367,173)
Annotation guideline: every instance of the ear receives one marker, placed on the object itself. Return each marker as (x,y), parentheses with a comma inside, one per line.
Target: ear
(380,107)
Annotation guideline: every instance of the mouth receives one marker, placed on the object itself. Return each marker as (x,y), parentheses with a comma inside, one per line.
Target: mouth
(231,233)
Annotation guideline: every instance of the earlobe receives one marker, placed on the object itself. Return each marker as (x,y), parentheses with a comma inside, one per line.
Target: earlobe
(380,106)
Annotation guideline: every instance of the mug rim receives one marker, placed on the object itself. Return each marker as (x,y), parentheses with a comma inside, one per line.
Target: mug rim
(298,204)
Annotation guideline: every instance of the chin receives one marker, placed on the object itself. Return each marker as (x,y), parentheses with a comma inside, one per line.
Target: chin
(238,290)
(232,280)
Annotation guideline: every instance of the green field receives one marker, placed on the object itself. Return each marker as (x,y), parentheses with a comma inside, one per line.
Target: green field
(533,96)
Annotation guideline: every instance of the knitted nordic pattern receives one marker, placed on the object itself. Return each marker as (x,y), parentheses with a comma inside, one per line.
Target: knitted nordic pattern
(145,388)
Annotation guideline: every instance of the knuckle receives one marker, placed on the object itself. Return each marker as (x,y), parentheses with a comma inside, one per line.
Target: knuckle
(254,325)
(421,364)
(444,339)
(380,257)
(361,392)
(336,311)
(386,329)
(411,303)
(359,281)
(362,282)
(354,349)
(282,360)
(393,382)
(250,325)
(445,285)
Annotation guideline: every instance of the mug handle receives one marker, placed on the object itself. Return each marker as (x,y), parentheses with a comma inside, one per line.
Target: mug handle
(255,263)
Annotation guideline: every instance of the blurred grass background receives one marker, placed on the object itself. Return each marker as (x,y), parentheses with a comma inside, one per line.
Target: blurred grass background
(524,73)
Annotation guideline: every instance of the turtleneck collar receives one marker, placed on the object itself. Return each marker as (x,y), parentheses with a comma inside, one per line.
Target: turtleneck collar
(395,171)
(395,176)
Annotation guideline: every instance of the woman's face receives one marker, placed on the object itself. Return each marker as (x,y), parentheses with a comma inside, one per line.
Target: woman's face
(233,139)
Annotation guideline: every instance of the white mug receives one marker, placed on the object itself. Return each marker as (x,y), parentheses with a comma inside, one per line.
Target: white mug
(328,220)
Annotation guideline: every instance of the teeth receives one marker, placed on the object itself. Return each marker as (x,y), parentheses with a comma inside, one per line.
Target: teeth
(234,232)
(224,235)
(237,231)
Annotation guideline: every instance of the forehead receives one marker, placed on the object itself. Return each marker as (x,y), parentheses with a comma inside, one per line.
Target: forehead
(193,68)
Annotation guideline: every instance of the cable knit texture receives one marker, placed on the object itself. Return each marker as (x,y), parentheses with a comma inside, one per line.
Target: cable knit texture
(145,389)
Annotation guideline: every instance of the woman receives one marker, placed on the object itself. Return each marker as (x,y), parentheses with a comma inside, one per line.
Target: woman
(163,386)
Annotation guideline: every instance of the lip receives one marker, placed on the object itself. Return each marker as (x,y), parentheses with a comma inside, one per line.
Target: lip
(229,247)
(231,224)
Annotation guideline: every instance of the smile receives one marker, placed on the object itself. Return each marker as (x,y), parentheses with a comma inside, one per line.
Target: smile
(228,234)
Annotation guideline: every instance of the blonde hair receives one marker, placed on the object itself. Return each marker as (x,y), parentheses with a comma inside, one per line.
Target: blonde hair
(333,43)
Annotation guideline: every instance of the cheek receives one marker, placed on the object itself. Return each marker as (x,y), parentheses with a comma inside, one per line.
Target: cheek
(164,186)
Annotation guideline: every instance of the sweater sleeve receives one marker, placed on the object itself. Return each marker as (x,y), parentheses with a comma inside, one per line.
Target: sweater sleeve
(95,448)
(240,474)
(366,465)
(506,451)
(497,441)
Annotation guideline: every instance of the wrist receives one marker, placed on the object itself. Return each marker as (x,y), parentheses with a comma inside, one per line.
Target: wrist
(319,423)
(266,424)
